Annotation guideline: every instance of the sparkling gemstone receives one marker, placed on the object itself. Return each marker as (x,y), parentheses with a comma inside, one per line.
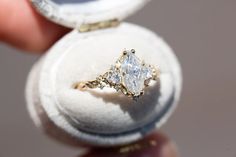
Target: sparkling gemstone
(114,76)
(132,70)
(147,72)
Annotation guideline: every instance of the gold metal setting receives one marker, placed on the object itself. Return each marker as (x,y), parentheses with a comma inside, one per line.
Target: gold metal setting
(99,25)
(105,80)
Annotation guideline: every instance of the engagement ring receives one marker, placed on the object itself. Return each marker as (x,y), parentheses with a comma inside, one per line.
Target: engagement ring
(128,75)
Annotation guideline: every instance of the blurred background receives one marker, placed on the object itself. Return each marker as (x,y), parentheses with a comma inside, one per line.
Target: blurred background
(203,35)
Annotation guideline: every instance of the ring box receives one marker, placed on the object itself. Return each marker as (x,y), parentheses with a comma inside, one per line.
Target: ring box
(99,117)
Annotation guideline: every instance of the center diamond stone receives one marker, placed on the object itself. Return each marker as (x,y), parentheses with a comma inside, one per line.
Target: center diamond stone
(132,70)
(130,75)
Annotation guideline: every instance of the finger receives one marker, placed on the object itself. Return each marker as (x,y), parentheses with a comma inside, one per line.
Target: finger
(156,145)
(23,27)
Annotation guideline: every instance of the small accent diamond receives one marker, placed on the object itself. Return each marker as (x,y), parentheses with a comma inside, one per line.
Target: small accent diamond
(147,72)
(114,76)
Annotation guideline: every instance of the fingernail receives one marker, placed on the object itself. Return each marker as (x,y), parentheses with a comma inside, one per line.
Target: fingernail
(156,145)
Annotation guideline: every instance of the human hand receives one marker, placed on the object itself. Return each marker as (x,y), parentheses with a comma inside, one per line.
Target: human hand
(22,27)
(155,145)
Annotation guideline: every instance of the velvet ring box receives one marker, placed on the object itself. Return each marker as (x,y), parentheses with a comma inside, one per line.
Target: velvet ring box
(99,117)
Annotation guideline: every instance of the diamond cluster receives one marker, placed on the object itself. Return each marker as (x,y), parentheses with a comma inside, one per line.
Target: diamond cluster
(130,74)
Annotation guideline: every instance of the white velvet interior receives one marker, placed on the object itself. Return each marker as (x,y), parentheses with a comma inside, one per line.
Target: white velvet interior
(105,111)
(73,13)
(88,6)
(105,117)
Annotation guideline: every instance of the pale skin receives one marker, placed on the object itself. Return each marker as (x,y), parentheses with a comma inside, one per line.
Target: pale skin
(22,27)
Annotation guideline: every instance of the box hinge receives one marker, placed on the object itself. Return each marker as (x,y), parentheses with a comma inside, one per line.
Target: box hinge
(99,25)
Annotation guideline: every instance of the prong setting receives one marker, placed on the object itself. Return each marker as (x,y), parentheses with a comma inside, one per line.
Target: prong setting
(132,51)
(129,75)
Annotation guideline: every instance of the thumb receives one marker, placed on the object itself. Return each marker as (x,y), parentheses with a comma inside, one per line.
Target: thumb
(23,27)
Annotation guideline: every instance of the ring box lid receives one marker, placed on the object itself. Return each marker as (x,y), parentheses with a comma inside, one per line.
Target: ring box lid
(75,13)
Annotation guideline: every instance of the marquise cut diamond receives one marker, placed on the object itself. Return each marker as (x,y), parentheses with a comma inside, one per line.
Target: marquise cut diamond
(131,68)
(132,73)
